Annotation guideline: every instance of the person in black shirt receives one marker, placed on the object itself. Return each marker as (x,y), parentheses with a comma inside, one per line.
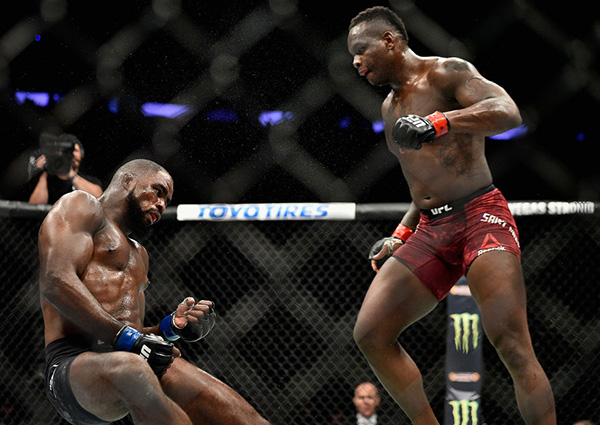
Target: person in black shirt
(50,186)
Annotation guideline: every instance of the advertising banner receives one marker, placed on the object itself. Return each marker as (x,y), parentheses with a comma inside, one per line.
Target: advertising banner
(464,359)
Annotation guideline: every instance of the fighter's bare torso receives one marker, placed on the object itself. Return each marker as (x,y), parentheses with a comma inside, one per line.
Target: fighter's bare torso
(114,270)
(452,166)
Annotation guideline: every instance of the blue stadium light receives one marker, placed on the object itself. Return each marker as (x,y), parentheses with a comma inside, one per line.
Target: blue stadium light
(38,37)
(222,115)
(113,105)
(38,98)
(511,134)
(345,122)
(167,110)
(378,126)
(274,117)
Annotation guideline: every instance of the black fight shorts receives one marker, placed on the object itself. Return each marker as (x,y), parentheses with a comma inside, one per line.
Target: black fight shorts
(59,357)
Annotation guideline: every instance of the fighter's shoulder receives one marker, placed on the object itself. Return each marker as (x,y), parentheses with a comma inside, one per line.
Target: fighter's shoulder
(79,206)
(79,199)
(446,70)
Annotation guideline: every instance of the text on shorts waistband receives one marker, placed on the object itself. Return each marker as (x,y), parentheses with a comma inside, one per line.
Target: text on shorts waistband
(455,206)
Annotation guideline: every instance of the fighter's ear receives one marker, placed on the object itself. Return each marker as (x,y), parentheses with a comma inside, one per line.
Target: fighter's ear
(127,180)
(389,39)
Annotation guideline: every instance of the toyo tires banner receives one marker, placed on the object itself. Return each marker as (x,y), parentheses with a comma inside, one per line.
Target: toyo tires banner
(263,212)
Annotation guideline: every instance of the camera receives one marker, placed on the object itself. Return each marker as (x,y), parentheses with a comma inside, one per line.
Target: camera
(58,151)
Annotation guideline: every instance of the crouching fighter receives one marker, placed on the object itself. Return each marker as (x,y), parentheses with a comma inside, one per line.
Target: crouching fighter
(101,363)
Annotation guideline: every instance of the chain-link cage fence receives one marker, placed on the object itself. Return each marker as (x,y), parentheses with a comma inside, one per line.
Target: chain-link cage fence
(97,66)
(287,294)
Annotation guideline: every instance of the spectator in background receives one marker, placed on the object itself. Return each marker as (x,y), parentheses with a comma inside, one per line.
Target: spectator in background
(366,401)
(55,172)
(586,422)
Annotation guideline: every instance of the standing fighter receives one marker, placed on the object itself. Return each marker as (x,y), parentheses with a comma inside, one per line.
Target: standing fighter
(437,114)
(101,363)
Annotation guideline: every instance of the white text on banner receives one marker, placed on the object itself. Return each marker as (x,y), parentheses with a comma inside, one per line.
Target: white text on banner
(263,212)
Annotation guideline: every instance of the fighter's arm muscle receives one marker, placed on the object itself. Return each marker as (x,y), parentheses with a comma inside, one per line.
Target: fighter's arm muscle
(66,247)
(484,109)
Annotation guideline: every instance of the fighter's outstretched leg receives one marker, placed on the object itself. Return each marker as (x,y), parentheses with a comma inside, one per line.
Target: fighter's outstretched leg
(206,399)
(395,299)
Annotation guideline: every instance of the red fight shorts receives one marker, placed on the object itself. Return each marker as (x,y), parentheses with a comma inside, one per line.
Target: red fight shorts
(449,238)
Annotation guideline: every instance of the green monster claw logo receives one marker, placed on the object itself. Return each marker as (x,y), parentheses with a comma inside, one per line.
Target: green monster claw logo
(463,410)
(466,325)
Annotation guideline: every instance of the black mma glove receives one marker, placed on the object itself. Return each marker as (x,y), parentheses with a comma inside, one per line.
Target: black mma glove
(389,244)
(191,332)
(412,131)
(158,353)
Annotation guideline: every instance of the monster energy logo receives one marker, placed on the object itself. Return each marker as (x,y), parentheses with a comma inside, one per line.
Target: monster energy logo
(466,329)
(464,412)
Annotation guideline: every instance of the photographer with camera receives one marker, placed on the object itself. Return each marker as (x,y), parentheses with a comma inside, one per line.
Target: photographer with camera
(57,168)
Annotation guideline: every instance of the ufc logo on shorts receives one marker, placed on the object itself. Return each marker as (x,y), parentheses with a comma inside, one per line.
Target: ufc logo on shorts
(440,210)
(415,120)
(145,352)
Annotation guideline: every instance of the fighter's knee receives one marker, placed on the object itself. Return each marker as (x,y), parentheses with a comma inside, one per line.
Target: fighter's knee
(128,367)
(513,353)
(365,336)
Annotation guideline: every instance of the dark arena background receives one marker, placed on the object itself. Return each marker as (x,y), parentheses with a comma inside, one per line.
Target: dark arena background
(248,102)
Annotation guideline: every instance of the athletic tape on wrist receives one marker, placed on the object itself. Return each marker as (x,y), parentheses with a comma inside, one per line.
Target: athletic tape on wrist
(126,337)
(167,329)
(402,232)
(440,123)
